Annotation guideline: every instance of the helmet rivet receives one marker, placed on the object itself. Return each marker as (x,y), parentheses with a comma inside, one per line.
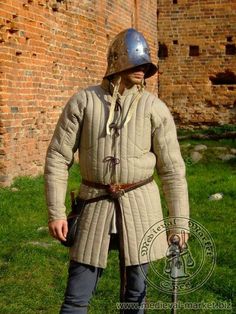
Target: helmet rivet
(115,55)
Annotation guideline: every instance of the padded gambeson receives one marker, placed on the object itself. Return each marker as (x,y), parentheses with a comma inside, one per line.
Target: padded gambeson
(147,141)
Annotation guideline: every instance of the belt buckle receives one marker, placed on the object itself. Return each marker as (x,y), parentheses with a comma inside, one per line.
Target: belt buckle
(115,190)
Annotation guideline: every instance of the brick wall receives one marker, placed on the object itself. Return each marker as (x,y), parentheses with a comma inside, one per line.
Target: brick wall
(197,60)
(50,49)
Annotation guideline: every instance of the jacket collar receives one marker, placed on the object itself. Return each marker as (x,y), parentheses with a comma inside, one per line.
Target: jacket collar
(112,88)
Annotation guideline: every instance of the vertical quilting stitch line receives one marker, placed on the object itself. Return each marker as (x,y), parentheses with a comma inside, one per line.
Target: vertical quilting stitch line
(150,100)
(102,118)
(56,193)
(149,204)
(85,107)
(64,134)
(102,222)
(148,106)
(165,140)
(124,226)
(97,209)
(125,142)
(135,140)
(109,206)
(168,152)
(98,107)
(90,103)
(94,125)
(125,106)
(87,104)
(153,130)
(96,130)
(121,156)
(86,241)
(124,162)
(132,108)
(137,207)
(74,250)
(133,220)
(77,243)
(90,120)
(159,159)
(148,197)
(143,135)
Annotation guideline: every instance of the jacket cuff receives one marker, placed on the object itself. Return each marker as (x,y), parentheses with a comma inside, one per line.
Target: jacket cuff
(178,225)
(56,216)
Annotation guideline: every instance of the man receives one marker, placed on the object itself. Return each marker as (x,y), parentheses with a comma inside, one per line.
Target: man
(122,132)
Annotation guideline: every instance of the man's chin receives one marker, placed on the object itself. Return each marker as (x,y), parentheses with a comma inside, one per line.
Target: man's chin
(137,81)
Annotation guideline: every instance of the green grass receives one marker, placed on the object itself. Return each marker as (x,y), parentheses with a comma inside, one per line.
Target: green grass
(209,130)
(33,278)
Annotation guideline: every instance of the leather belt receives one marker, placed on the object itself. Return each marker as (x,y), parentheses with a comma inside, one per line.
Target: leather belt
(117,189)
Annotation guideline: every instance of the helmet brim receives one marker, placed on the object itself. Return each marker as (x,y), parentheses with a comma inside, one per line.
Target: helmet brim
(150,72)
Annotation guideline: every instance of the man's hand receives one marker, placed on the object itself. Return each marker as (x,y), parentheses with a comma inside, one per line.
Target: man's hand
(58,229)
(183,238)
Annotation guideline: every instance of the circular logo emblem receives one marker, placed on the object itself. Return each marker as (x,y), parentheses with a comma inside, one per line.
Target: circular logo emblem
(186,268)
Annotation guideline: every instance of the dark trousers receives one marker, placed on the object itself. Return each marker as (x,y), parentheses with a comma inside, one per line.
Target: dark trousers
(82,282)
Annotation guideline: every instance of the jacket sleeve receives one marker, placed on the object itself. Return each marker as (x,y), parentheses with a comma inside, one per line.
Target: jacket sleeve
(60,155)
(170,165)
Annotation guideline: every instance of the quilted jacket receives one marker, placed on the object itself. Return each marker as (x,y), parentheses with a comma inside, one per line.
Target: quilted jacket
(146,142)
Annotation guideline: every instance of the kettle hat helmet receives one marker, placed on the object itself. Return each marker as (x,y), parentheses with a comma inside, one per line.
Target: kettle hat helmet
(129,49)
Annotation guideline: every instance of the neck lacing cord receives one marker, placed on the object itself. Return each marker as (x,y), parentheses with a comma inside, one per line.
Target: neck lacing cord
(113,104)
(131,108)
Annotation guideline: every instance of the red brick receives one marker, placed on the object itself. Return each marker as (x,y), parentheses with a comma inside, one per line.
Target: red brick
(44,55)
(57,47)
(206,24)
